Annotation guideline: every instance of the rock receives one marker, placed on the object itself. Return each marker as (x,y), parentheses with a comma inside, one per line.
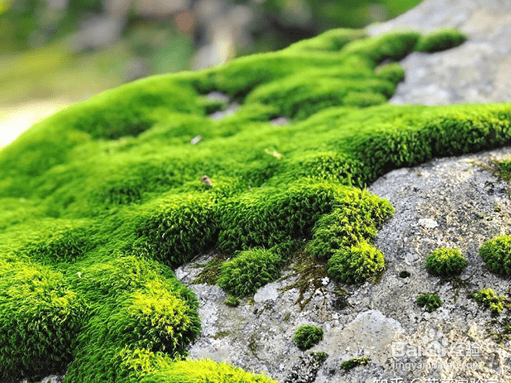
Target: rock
(428,223)
(476,71)
(266,293)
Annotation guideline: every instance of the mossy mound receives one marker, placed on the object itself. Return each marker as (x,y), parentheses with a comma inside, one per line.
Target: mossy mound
(430,301)
(100,201)
(356,264)
(250,270)
(440,40)
(308,336)
(445,262)
(496,253)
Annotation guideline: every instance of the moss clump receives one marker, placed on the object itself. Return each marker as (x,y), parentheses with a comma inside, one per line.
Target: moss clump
(248,271)
(232,301)
(308,336)
(357,219)
(39,316)
(445,262)
(354,362)
(203,371)
(440,40)
(496,253)
(431,301)
(392,72)
(356,264)
(488,299)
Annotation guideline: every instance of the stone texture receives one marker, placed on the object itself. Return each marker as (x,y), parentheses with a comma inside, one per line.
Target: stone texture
(477,71)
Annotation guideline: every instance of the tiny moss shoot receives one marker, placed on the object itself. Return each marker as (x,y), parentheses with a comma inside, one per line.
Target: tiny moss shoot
(354,362)
(430,301)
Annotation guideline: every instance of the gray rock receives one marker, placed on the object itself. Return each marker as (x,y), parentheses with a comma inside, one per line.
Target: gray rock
(477,71)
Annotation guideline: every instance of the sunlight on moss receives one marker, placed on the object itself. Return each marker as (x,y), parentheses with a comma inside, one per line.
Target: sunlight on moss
(101,201)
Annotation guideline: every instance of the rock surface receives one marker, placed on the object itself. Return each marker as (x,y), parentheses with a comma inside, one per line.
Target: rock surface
(450,202)
(477,71)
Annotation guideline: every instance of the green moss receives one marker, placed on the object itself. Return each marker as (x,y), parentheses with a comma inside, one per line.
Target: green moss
(392,72)
(105,197)
(248,271)
(496,253)
(211,271)
(357,218)
(356,264)
(488,299)
(39,316)
(431,301)
(445,262)
(440,40)
(354,362)
(232,301)
(308,336)
(203,371)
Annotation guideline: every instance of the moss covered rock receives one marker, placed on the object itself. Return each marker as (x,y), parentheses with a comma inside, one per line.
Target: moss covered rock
(99,202)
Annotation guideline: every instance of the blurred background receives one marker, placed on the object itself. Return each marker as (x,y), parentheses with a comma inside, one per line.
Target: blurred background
(55,52)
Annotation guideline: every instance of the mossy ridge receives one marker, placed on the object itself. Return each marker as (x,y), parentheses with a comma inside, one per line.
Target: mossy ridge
(122,161)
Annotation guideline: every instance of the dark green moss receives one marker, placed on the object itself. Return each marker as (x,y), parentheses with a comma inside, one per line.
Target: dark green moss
(431,301)
(354,362)
(248,271)
(440,40)
(211,271)
(308,336)
(232,301)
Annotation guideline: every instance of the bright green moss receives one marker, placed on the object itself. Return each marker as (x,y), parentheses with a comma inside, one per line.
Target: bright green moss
(204,371)
(488,299)
(440,40)
(356,264)
(308,336)
(355,362)
(496,253)
(248,271)
(357,218)
(39,316)
(103,198)
(445,262)
(431,301)
(392,72)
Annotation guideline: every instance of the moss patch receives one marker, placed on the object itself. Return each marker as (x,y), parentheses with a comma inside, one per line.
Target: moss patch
(430,301)
(445,262)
